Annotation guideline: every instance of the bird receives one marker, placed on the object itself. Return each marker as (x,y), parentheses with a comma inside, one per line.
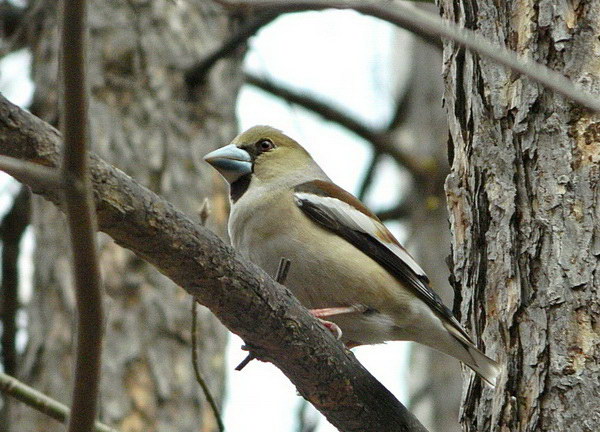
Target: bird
(346,266)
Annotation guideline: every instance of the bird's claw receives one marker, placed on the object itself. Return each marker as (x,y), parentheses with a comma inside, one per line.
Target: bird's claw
(332,327)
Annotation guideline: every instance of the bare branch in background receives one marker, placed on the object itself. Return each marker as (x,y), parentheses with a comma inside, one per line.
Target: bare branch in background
(197,74)
(245,299)
(369,176)
(431,27)
(32,173)
(400,211)
(11,232)
(40,402)
(81,218)
(379,141)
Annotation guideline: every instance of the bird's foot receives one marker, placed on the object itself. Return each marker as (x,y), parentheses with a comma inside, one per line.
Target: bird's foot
(332,327)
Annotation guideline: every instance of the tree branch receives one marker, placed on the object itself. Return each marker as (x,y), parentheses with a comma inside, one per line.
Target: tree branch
(40,402)
(430,28)
(32,173)
(81,218)
(401,211)
(263,313)
(380,141)
(197,74)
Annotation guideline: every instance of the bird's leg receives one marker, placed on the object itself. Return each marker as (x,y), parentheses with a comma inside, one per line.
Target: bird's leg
(327,312)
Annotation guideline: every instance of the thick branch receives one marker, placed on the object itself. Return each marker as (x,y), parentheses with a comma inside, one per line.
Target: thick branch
(81,217)
(430,27)
(242,296)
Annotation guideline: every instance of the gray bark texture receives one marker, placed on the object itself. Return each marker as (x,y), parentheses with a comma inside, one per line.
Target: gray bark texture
(524,205)
(434,379)
(143,120)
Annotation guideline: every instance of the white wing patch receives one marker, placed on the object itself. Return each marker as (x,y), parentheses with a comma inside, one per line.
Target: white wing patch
(352,218)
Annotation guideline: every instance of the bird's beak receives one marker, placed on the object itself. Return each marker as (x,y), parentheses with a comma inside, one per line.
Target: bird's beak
(231,161)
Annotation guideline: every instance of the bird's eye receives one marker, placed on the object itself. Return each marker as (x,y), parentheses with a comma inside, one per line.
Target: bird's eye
(265,145)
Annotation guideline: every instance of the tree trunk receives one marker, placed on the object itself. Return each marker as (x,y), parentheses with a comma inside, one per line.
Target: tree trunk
(524,205)
(145,121)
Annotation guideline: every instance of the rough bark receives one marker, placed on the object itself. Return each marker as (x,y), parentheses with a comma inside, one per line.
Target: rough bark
(238,292)
(524,201)
(434,379)
(144,121)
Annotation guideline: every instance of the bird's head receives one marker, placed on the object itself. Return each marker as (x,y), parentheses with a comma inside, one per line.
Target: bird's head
(261,152)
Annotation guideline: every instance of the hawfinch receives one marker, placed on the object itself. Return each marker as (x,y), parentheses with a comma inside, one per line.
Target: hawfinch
(346,266)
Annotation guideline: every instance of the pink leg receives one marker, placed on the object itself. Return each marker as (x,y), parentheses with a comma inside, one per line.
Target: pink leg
(327,312)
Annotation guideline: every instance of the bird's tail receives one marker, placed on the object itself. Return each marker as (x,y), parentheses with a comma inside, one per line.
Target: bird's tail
(466,352)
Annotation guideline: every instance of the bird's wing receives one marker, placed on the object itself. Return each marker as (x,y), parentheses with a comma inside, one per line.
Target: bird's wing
(340,212)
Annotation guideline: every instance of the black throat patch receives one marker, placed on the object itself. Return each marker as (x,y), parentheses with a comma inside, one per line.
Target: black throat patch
(239,187)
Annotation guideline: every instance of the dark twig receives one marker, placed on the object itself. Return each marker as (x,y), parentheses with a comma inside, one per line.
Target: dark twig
(369,176)
(282,271)
(400,211)
(203,213)
(197,74)
(40,402)
(32,173)
(246,360)
(428,26)
(379,141)
(209,397)
(81,217)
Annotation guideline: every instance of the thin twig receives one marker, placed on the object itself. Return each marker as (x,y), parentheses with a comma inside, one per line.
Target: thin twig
(380,142)
(427,25)
(197,73)
(81,217)
(209,398)
(203,213)
(32,173)
(40,402)
(280,276)
(282,270)
(400,211)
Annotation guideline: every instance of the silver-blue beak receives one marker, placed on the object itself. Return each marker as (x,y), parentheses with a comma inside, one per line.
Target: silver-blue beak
(231,161)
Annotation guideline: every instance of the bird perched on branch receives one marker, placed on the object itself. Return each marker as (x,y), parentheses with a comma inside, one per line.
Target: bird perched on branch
(346,266)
